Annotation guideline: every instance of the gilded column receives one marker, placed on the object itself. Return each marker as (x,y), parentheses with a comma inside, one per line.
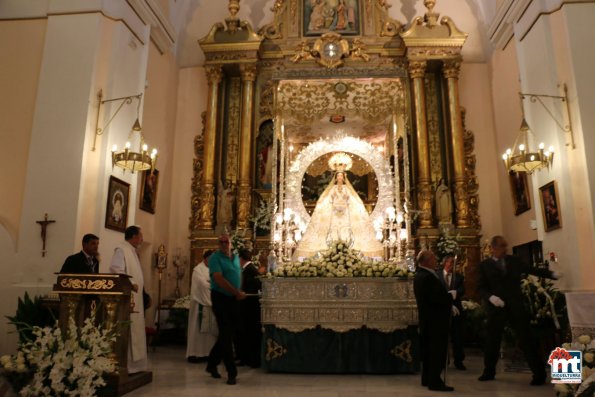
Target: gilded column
(207,194)
(451,74)
(417,71)
(245,184)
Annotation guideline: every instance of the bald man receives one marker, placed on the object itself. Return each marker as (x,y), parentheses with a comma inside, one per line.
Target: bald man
(434,306)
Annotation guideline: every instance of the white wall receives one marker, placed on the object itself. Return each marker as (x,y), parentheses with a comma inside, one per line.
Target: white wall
(543,62)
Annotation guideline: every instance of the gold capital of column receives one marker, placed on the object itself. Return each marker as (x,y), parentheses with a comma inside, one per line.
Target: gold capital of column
(206,206)
(248,72)
(214,74)
(451,69)
(417,69)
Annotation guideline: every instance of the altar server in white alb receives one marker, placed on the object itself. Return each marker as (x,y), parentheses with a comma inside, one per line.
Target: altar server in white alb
(126,261)
(202,325)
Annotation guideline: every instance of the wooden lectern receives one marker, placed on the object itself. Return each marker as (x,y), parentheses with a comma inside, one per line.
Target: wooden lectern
(109,295)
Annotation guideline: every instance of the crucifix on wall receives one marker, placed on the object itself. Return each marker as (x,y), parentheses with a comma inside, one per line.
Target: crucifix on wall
(44,225)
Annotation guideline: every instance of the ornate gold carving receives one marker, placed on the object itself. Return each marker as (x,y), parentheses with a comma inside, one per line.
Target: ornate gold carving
(403,351)
(244,204)
(197,176)
(389,27)
(274,350)
(462,200)
(330,49)
(417,69)
(358,50)
(293,6)
(75,283)
(424,203)
(273,30)
(471,178)
(451,69)
(433,53)
(374,101)
(248,72)
(214,74)
(267,99)
(433,123)
(206,206)
(233,22)
(302,52)
(231,150)
(431,17)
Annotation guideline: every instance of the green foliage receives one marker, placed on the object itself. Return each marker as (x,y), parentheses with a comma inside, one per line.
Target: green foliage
(30,313)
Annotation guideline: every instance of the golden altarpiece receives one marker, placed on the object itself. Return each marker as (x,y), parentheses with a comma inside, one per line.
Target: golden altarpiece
(352,79)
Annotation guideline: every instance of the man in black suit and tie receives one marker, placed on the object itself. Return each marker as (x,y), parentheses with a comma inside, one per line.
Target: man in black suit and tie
(86,260)
(250,327)
(455,285)
(499,286)
(434,306)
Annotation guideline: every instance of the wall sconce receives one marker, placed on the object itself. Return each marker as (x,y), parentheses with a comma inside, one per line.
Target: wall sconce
(127,159)
(521,158)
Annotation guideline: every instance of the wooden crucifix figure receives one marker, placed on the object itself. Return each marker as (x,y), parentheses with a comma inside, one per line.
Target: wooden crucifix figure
(44,224)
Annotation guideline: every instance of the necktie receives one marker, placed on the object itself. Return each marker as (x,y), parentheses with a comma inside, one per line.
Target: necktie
(91,264)
(447,280)
(502,265)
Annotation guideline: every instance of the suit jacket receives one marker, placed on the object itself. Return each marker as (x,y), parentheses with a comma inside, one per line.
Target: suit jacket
(433,301)
(457,283)
(250,282)
(505,284)
(77,264)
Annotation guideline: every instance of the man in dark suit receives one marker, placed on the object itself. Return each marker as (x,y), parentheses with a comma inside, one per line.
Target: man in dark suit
(250,333)
(85,261)
(434,306)
(455,285)
(499,286)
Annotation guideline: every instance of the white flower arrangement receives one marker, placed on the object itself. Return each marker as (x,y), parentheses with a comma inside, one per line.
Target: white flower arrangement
(543,301)
(447,245)
(341,261)
(469,305)
(586,345)
(182,303)
(56,364)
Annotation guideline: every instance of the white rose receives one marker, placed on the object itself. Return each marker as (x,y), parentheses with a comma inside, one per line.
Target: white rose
(584,339)
(5,359)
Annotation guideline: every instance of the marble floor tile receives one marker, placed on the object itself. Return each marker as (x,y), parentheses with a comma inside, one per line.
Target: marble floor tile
(173,376)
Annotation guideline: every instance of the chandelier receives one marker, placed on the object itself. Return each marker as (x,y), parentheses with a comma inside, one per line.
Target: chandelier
(128,159)
(522,159)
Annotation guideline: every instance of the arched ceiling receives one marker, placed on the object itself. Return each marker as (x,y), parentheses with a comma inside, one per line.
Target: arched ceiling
(194,18)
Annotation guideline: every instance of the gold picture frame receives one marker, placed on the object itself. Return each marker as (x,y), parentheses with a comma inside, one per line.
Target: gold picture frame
(116,213)
(519,188)
(550,206)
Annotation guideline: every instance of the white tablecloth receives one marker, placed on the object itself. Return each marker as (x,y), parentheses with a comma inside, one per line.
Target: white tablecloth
(581,313)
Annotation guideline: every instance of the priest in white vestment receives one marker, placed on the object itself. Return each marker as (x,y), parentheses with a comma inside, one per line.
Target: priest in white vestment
(202,325)
(126,261)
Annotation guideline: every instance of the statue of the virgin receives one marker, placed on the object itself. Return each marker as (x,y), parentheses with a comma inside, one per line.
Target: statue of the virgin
(339,214)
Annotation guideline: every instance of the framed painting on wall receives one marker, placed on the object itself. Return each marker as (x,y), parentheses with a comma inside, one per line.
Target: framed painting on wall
(148,190)
(550,205)
(520,192)
(116,213)
(322,16)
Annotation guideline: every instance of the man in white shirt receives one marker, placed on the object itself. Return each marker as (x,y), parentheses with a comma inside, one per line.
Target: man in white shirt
(126,261)
(202,325)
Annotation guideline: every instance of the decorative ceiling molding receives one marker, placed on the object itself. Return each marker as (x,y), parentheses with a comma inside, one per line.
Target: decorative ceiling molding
(517,17)
(162,31)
